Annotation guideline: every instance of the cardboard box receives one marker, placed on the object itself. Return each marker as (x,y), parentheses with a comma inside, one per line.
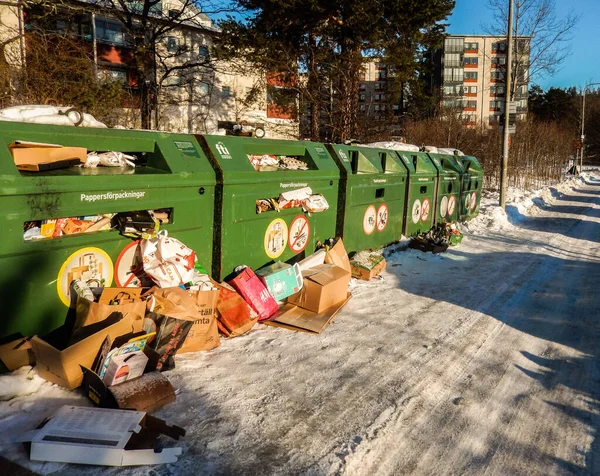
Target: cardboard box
(147,393)
(324,286)
(317,258)
(297,319)
(337,255)
(100,436)
(35,153)
(281,279)
(125,367)
(376,265)
(16,353)
(62,366)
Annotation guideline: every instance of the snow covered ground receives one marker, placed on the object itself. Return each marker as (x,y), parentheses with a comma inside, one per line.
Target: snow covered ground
(484,359)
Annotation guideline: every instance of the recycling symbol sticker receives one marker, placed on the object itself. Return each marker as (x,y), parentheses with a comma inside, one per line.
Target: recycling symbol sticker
(444,206)
(416,211)
(369,220)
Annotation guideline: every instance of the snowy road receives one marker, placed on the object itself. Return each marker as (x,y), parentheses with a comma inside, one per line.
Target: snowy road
(484,360)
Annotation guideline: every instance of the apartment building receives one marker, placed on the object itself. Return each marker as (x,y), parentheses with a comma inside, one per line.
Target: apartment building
(470,73)
(190,91)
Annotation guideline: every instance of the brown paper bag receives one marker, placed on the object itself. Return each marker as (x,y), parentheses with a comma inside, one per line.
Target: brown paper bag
(90,312)
(196,306)
(204,334)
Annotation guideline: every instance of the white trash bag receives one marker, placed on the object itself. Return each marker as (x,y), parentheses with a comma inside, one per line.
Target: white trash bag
(167,260)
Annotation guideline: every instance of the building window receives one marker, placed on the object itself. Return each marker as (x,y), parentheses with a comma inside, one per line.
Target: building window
(113,75)
(110,32)
(453,103)
(470,104)
(453,90)
(471,75)
(362,108)
(499,47)
(361,97)
(225,92)
(494,119)
(496,105)
(472,46)
(172,44)
(203,51)
(470,89)
(363,86)
(471,61)
(203,88)
(362,76)
(500,60)
(497,76)
(453,60)
(453,74)
(454,45)
(496,90)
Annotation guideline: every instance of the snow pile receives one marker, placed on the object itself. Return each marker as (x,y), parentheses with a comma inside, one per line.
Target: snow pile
(21,382)
(53,115)
(391,145)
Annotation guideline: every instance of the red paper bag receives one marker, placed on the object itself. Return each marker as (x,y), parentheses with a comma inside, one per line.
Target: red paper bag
(255,293)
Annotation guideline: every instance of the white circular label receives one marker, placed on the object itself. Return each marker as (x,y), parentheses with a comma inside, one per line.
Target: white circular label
(382,217)
(369,220)
(276,238)
(299,232)
(425,210)
(443,206)
(416,211)
(473,201)
(451,205)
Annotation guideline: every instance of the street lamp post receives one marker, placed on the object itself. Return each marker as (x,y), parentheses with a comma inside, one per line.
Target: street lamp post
(583,126)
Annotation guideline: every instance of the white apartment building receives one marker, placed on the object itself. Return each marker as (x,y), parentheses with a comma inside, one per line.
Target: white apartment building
(471,76)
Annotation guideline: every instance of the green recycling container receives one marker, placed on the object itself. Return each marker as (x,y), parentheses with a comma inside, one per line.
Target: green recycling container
(255,224)
(472,183)
(372,196)
(38,261)
(450,171)
(421,195)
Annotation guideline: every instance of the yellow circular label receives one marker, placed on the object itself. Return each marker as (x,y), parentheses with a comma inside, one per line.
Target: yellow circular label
(276,238)
(93,266)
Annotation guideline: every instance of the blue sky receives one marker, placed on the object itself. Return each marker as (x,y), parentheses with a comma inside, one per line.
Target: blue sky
(580,68)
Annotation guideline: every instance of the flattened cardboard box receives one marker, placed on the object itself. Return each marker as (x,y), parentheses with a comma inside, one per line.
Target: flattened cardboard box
(324,286)
(366,272)
(297,319)
(29,153)
(62,367)
(100,436)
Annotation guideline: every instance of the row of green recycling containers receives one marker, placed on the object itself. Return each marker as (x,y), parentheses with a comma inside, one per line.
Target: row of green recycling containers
(210,189)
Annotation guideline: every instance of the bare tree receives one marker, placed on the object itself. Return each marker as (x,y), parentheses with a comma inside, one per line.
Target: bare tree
(542,38)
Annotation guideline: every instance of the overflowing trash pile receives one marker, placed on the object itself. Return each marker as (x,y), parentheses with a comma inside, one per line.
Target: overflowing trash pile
(117,341)
(268,163)
(438,239)
(301,198)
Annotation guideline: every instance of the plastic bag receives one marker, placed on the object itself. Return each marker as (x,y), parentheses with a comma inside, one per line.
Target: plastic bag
(167,261)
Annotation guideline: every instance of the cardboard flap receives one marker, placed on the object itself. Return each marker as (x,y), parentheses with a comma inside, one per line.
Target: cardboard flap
(327,273)
(337,255)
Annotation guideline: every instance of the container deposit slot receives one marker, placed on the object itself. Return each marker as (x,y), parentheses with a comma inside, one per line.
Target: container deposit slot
(130,223)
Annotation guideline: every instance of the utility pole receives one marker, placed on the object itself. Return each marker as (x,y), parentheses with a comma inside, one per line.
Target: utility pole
(507,98)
